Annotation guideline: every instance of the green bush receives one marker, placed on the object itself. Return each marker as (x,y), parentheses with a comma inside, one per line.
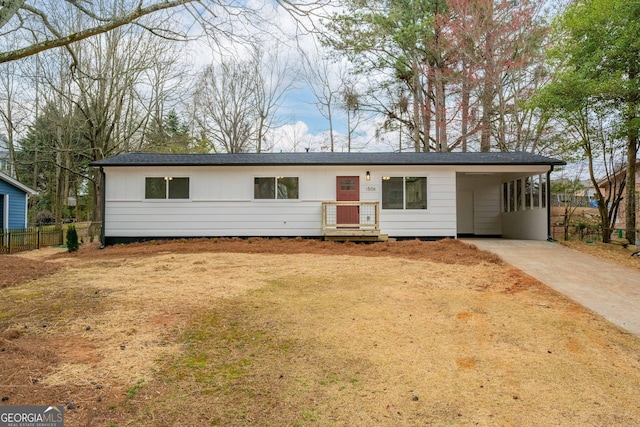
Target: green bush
(72,239)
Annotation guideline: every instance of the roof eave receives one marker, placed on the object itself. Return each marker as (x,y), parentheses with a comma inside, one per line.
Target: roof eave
(17,184)
(374,163)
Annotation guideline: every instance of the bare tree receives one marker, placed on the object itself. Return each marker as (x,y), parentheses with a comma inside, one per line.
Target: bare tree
(13,111)
(41,30)
(292,135)
(226,114)
(237,101)
(49,155)
(38,26)
(163,84)
(272,82)
(350,103)
(104,93)
(498,43)
(324,79)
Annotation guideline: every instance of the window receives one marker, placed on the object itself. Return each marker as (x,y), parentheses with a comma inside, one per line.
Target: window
(347,184)
(524,194)
(155,188)
(518,195)
(536,191)
(166,187)
(528,192)
(281,187)
(512,196)
(404,192)
(392,197)
(505,197)
(416,192)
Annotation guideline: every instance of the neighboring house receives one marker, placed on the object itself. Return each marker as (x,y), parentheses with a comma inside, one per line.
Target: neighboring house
(5,160)
(620,222)
(588,194)
(403,195)
(574,194)
(13,203)
(5,164)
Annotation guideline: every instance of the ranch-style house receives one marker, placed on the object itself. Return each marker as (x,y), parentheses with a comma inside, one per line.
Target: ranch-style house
(367,196)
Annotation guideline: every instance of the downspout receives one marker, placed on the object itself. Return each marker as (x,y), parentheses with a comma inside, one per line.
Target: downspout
(548,185)
(104,209)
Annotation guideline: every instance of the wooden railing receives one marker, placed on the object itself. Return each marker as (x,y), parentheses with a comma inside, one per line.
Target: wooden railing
(351,218)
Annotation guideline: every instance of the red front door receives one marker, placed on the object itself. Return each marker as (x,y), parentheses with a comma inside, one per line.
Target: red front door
(348,190)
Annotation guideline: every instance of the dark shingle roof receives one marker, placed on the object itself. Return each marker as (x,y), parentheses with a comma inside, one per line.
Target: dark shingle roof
(327,159)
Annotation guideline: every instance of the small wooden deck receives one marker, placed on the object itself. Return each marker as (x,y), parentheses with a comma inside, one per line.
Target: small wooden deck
(366,229)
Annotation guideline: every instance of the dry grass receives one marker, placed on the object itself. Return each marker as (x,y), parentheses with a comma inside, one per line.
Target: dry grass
(609,252)
(309,334)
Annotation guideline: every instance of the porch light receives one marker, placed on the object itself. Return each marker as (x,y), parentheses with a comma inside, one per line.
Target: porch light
(168,178)
(368,176)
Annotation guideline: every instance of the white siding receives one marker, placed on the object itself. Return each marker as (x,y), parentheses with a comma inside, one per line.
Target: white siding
(221,202)
(526,225)
(438,220)
(485,191)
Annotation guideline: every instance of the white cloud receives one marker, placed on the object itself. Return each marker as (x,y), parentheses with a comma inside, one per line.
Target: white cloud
(303,125)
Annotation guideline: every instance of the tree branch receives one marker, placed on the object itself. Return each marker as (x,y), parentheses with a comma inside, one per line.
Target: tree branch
(84,34)
(8,9)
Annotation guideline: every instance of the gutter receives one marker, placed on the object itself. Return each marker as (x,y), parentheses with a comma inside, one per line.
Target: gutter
(548,185)
(104,209)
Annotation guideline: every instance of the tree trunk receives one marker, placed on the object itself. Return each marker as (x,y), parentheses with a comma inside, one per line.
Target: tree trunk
(427,114)
(632,153)
(417,105)
(630,194)
(466,97)
(441,112)
(488,87)
(96,189)
(330,119)
(487,101)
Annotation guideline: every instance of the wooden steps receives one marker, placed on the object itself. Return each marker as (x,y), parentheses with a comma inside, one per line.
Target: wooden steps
(364,226)
(355,235)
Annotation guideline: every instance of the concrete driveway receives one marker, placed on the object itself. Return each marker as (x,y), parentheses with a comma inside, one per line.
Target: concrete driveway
(608,289)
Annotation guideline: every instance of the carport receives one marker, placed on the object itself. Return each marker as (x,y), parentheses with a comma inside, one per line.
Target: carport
(511,202)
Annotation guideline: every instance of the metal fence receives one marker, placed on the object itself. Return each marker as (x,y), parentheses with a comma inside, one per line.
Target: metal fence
(588,233)
(27,239)
(573,232)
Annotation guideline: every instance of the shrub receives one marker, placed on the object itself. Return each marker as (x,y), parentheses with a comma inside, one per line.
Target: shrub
(45,217)
(72,239)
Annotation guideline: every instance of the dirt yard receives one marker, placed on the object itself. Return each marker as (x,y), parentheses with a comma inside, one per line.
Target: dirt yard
(301,332)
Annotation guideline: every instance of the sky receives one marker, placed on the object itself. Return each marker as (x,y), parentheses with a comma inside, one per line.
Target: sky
(301,124)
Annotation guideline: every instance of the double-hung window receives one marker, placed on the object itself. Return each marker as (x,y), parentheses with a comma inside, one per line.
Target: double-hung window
(167,187)
(281,187)
(404,192)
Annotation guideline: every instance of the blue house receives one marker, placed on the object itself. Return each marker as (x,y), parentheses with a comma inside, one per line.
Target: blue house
(13,203)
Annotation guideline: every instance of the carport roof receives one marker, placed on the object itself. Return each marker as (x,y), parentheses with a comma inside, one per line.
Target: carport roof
(328,159)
